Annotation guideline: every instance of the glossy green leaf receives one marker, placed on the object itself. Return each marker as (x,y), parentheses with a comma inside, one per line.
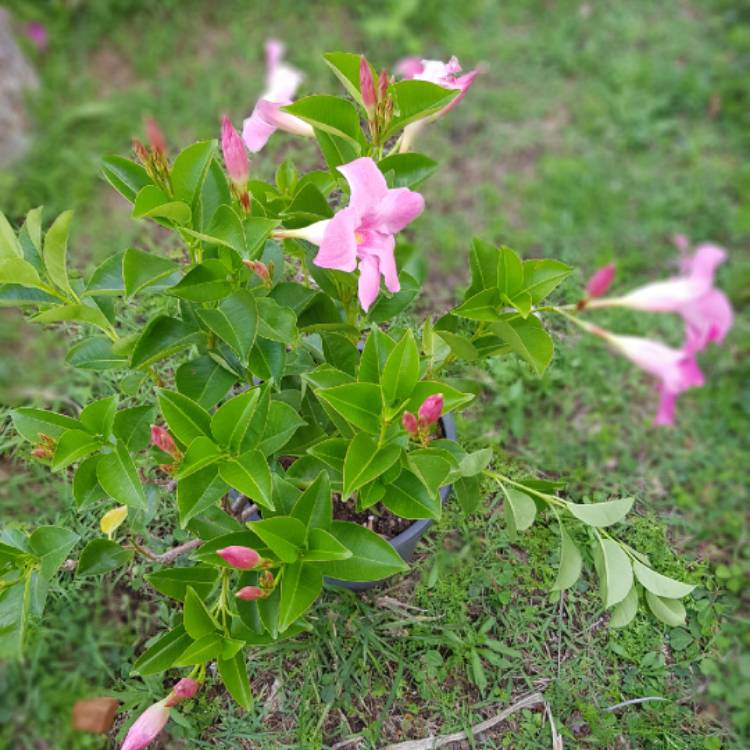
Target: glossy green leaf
(86,487)
(409,498)
(72,446)
(401,370)
(174,582)
(300,587)
(542,276)
(232,423)
(125,176)
(190,168)
(161,654)
(625,611)
(95,353)
(234,321)
(98,417)
(617,572)
(102,556)
(199,492)
(601,514)
(364,462)
(32,423)
(323,546)
(152,202)
(330,114)
(521,506)
(196,618)
(233,673)
(203,380)
(56,251)
(185,418)
(141,270)
(206,282)
(284,535)
(571,562)
(416,100)
(161,338)
(51,545)
(669,611)
(201,651)
(408,170)
(249,473)
(528,339)
(132,426)
(359,403)
(118,477)
(656,583)
(107,277)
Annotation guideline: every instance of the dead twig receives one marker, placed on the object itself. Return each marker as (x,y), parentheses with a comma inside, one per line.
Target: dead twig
(529,701)
(166,558)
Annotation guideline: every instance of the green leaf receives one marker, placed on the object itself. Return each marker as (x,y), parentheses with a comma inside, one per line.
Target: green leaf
(476,462)
(374,355)
(161,654)
(328,113)
(249,474)
(669,611)
(571,562)
(365,462)
(331,452)
(95,353)
(32,423)
(416,100)
(56,250)
(174,582)
(206,282)
(72,446)
(152,202)
(484,306)
(359,403)
(201,651)
(102,556)
(51,544)
(522,507)
(141,269)
(336,151)
(432,466)
(199,492)
(201,452)
(203,380)
(190,168)
(161,338)
(186,419)
(234,321)
(468,493)
(86,487)
(656,583)
(401,370)
(492,267)
(409,170)
(18,271)
(16,295)
(540,277)
(323,546)
(528,339)
(197,619)
(233,673)
(386,306)
(81,313)
(460,346)
(267,359)
(106,278)
(314,507)
(284,535)
(300,587)
(231,424)
(617,572)
(125,176)
(372,560)
(409,498)
(98,417)
(345,66)
(625,611)
(601,514)
(118,477)
(276,323)
(9,245)
(132,426)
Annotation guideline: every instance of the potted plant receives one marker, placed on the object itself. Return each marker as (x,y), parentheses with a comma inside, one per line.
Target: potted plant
(266,385)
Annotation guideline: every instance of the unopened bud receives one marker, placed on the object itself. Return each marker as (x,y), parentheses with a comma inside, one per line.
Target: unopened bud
(243,558)
(383,85)
(260,269)
(409,423)
(431,409)
(250,593)
(141,152)
(266,580)
(185,689)
(367,86)
(41,451)
(600,281)
(235,155)
(155,137)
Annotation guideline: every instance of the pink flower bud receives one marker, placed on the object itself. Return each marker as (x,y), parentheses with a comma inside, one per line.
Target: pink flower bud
(260,269)
(383,84)
(155,136)
(240,557)
(600,281)
(409,423)
(161,438)
(235,155)
(147,726)
(185,689)
(366,85)
(431,409)
(250,593)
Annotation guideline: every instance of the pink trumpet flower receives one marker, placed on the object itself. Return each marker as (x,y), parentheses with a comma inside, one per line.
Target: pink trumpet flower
(600,281)
(362,234)
(705,310)
(442,74)
(281,85)
(676,369)
(149,724)
(243,558)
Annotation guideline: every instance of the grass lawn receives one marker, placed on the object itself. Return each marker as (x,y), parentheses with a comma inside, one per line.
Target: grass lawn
(594,134)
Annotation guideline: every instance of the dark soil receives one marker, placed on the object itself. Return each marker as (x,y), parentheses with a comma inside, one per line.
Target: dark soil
(377,518)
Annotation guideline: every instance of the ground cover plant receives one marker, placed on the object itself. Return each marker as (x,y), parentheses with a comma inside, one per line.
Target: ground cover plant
(454,657)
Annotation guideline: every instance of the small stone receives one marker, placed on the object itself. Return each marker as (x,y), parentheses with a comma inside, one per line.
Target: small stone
(95,714)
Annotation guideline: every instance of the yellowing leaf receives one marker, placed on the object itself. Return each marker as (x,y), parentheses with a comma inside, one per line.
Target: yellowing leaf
(112,519)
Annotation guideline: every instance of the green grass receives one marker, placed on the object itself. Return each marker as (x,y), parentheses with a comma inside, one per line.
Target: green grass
(592,136)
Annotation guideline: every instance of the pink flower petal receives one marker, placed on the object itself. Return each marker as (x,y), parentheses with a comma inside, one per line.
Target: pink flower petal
(282,80)
(667,403)
(339,246)
(146,727)
(600,281)
(708,319)
(398,208)
(256,129)
(382,246)
(369,281)
(367,184)
(409,67)
(705,261)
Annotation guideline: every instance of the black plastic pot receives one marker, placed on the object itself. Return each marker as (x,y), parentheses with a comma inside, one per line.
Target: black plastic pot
(406,542)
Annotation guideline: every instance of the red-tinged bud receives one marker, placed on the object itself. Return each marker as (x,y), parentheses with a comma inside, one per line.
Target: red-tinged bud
(41,452)
(250,593)
(431,409)
(141,152)
(161,438)
(260,269)
(383,85)
(266,580)
(183,690)
(367,86)
(243,558)
(235,155)
(409,423)
(245,201)
(600,281)
(155,137)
